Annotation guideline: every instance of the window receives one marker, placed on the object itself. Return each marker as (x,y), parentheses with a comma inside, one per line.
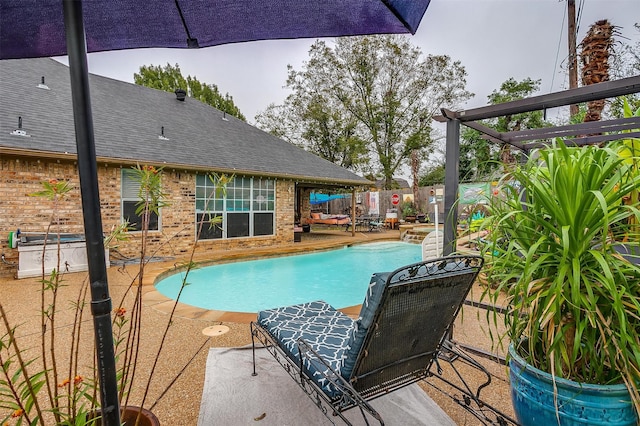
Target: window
(130,198)
(247,210)
(264,206)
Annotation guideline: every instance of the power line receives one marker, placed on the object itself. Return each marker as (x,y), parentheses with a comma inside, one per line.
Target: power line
(579,16)
(555,65)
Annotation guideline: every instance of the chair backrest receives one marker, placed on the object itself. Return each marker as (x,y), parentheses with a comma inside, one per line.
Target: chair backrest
(418,306)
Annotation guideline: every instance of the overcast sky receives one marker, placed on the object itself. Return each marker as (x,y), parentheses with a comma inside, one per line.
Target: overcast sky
(494,40)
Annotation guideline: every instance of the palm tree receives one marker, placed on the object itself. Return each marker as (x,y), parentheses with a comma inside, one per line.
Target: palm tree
(596,47)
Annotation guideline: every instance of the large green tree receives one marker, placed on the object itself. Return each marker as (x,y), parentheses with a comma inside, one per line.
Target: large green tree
(367,102)
(479,158)
(327,131)
(433,175)
(169,78)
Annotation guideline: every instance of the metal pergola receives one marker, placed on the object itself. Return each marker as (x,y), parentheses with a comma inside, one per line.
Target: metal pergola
(598,131)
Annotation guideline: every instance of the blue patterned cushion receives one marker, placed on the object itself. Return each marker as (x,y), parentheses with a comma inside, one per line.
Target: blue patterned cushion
(332,334)
(325,329)
(367,312)
(372,298)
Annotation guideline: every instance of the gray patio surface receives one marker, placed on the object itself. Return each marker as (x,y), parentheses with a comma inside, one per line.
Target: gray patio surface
(232,396)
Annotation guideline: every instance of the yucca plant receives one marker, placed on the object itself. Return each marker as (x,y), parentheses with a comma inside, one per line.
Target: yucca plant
(573,300)
(630,152)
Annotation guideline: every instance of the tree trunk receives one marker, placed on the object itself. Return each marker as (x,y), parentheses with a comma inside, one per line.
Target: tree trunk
(596,47)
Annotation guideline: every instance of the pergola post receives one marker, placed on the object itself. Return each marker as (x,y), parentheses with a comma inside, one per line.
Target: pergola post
(451,180)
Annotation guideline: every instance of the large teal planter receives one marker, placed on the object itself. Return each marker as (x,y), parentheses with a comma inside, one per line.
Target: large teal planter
(579,404)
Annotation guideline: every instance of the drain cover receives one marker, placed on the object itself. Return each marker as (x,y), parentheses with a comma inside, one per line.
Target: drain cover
(215,330)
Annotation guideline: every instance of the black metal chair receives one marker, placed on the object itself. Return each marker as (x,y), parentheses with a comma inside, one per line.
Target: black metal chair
(405,319)
(376,224)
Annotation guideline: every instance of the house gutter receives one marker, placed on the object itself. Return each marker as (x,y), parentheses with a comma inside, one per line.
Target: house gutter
(66,156)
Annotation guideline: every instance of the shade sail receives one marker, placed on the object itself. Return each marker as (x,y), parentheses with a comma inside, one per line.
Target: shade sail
(316,198)
(35,28)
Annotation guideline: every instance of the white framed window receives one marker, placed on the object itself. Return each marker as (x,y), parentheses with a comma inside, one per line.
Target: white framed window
(247,210)
(130,197)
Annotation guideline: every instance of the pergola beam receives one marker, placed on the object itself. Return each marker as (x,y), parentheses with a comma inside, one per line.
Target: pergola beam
(587,128)
(604,90)
(517,137)
(588,140)
(492,135)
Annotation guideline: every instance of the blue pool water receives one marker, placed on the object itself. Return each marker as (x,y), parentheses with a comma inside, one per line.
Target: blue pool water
(340,277)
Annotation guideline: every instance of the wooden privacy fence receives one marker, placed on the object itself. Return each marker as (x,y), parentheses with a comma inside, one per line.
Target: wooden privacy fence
(472,197)
(428,196)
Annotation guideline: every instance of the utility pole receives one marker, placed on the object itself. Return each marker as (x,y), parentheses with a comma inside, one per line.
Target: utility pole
(573,56)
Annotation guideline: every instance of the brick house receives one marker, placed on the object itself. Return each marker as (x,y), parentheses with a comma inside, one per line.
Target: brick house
(137,125)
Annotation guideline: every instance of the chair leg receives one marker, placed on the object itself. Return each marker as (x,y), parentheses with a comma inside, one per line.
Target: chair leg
(470,399)
(253,348)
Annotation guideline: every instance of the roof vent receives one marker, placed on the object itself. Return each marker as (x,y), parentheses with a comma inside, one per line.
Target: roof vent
(224,116)
(162,137)
(42,85)
(180,94)
(19,131)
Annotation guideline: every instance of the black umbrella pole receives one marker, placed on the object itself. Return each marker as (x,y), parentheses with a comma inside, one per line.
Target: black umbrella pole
(88,173)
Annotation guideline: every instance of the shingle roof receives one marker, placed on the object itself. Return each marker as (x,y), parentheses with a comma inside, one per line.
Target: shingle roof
(128,120)
(400,183)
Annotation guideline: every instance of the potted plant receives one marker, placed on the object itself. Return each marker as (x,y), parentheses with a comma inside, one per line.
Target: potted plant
(573,301)
(409,211)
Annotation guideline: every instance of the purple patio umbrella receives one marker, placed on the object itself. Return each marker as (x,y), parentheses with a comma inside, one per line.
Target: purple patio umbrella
(40,28)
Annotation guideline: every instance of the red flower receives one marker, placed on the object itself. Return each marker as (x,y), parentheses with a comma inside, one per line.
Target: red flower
(18,413)
(120,312)
(64,383)
(77,380)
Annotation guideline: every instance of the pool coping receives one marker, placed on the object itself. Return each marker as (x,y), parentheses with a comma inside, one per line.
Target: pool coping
(158,270)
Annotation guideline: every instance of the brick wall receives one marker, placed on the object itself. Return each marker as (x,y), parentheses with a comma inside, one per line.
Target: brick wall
(305,209)
(20,177)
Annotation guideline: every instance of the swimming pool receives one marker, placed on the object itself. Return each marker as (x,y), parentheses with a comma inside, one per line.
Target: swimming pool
(339,277)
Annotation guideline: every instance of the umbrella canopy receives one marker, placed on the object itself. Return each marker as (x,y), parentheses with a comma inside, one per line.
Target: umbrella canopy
(37,28)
